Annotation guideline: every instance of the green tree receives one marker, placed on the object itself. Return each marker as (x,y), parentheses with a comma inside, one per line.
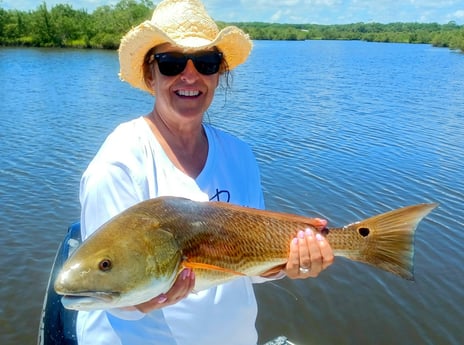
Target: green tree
(44,34)
(3,22)
(112,22)
(69,26)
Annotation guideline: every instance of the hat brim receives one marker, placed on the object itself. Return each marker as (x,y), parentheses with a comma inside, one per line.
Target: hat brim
(231,41)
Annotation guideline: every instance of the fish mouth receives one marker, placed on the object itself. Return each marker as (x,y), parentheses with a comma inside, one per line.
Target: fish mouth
(88,300)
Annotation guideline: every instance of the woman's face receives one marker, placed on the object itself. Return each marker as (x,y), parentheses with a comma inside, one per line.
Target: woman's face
(186,95)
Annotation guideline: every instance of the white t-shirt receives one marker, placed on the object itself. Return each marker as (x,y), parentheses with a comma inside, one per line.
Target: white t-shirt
(130,167)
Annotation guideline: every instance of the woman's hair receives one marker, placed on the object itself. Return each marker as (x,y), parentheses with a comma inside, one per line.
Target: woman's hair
(147,65)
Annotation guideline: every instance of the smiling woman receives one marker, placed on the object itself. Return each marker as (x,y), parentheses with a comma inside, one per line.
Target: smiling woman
(179,56)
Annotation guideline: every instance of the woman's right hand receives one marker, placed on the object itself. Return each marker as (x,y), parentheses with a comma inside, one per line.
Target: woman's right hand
(182,287)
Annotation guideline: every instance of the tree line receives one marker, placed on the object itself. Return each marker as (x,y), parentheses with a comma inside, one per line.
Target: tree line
(63,26)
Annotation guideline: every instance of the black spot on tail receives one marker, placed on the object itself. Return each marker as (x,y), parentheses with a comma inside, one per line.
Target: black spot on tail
(364,232)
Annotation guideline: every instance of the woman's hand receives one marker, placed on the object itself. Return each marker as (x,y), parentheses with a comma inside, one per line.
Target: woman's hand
(310,253)
(183,285)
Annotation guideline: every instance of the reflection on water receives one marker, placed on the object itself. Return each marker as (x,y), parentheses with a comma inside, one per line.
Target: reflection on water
(342,130)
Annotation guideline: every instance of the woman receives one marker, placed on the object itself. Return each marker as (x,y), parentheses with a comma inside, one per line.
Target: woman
(178,57)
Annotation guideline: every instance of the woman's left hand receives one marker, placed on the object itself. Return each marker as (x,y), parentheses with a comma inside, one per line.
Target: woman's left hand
(310,254)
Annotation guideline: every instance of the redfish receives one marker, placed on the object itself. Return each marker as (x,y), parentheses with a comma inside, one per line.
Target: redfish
(138,254)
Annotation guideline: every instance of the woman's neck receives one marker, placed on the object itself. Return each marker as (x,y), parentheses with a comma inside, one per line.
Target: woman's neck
(185,144)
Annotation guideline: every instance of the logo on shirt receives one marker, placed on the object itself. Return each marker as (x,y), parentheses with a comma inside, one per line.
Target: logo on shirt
(221,195)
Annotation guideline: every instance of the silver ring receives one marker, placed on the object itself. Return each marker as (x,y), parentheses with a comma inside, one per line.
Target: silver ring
(304,270)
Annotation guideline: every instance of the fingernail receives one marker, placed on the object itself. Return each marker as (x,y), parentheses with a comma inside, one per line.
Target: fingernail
(319,237)
(322,221)
(192,275)
(162,299)
(301,234)
(295,241)
(185,274)
(309,233)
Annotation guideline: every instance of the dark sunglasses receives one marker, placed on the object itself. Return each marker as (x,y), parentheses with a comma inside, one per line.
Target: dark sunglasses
(171,64)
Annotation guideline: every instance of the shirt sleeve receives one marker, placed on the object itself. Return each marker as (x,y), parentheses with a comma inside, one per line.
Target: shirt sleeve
(105,192)
(114,180)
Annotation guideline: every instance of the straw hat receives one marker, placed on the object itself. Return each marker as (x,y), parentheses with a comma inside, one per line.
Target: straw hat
(182,23)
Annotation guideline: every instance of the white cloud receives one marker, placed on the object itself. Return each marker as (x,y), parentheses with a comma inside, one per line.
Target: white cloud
(435,3)
(458,14)
(276,16)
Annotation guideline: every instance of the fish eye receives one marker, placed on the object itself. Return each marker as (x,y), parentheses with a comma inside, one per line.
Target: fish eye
(105,265)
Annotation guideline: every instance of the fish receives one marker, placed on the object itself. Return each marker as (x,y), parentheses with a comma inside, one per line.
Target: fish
(138,254)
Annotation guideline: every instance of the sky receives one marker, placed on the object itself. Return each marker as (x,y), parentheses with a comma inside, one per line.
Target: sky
(300,11)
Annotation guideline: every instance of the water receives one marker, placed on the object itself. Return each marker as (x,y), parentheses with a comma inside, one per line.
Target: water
(341,130)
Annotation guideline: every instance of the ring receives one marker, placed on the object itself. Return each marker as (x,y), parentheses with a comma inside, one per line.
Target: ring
(304,270)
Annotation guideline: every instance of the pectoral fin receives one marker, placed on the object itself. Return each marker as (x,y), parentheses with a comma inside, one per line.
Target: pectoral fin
(203,266)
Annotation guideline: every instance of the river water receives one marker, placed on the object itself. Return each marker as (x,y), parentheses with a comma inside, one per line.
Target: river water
(341,130)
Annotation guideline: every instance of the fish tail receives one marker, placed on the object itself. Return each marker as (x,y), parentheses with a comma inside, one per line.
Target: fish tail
(385,241)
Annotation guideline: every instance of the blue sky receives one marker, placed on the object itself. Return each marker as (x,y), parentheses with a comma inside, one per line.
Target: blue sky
(302,11)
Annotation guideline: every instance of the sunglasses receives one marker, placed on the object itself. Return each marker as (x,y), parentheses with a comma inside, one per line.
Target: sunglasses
(171,64)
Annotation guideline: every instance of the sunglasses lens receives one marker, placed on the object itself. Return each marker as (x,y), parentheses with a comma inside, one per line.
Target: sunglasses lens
(171,64)
(208,63)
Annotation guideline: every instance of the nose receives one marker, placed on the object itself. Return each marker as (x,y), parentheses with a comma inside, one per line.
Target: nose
(190,72)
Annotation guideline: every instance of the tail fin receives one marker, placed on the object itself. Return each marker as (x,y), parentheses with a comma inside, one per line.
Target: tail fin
(387,240)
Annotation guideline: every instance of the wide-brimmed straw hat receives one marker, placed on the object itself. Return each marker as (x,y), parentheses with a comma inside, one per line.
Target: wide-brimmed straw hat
(184,24)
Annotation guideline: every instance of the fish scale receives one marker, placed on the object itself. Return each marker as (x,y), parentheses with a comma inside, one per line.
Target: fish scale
(230,237)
